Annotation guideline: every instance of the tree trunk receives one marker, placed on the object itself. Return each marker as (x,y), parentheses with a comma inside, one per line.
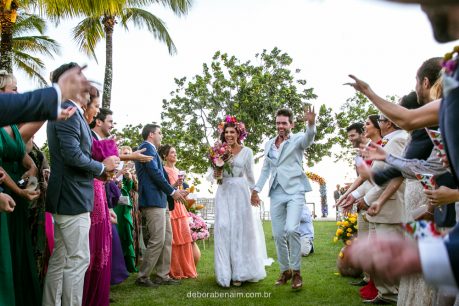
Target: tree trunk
(109,24)
(7,20)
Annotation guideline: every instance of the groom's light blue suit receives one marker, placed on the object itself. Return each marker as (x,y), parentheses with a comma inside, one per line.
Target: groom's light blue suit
(287,187)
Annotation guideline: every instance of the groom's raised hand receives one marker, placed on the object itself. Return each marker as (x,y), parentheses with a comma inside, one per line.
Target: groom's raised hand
(309,115)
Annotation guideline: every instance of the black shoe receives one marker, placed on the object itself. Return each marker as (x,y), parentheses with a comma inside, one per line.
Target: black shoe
(166,281)
(359,283)
(145,283)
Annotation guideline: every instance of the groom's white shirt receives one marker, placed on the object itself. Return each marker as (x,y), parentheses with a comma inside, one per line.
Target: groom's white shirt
(285,167)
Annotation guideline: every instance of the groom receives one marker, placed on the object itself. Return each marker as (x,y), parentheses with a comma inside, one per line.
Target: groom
(287,188)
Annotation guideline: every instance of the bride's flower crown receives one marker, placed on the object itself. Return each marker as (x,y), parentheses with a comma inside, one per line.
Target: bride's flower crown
(240,127)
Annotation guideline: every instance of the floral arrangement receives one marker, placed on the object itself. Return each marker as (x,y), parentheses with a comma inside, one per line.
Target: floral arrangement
(191,204)
(347,228)
(198,227)
(316,178)
(220,157)
(240,127)
(450,61)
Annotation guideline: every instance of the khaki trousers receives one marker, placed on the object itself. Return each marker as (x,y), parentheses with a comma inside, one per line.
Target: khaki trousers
(159,246)
(67,266)
(363,232)
(385,290)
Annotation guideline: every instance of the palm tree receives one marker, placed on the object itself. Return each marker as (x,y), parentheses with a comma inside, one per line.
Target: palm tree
(24,46)
(91,30)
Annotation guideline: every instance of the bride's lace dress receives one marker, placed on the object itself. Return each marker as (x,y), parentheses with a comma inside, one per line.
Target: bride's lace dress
(240,249)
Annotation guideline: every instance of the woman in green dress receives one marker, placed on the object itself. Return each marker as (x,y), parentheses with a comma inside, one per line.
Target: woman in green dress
(124,213)
(16,258)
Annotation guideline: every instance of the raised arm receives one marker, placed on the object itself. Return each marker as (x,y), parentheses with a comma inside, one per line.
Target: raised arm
(407,119)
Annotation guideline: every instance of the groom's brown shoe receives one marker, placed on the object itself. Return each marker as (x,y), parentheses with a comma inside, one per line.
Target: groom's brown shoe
(284,277)
(297,281)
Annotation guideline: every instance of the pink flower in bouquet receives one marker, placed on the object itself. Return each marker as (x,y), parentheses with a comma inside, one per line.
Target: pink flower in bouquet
(220,155)
(198,227)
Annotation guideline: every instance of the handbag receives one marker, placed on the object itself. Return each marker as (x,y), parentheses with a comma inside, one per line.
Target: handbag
(124,200)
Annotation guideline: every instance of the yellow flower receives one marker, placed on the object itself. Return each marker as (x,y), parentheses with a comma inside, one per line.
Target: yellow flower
(352,220)
(335,239)
(349,234)
(349,230)
(348,242)
(338,223)
(341,255)
(346,223)
(339,232)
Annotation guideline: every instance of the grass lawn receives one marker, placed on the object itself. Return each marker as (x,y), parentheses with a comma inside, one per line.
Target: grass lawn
(321,283)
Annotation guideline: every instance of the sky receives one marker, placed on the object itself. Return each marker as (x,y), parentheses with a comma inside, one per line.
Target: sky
(380,42)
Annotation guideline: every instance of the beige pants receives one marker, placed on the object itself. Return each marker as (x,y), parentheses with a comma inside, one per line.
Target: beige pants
(159,247)
(363,225)
(385,290)
(69,262)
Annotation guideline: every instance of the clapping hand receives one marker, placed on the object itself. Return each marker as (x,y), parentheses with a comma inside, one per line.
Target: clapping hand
(138,156)
(373,152)
(66,113)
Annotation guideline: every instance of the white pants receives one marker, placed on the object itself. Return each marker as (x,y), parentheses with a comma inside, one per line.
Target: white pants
(69,262)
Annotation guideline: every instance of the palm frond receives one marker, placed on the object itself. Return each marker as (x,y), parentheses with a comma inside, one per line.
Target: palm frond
(87,34)
(179,7)
(27,22)
(36,44)
(58,10)
(30,65)
(142,18)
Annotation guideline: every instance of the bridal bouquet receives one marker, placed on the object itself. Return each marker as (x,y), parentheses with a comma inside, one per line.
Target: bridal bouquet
(198,227)
(220,157)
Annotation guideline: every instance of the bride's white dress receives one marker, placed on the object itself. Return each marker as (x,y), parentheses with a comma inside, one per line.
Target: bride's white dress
(240,249)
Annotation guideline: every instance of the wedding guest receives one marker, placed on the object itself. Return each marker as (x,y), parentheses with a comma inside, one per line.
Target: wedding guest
(407,258)
(17,258)
(182,261)
(306,232)
(124,211)
(287,188)
(239,241)
(71,199)
(153,192)
(37,215)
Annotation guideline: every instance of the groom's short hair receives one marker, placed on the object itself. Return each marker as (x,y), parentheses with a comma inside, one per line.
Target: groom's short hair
(285,112)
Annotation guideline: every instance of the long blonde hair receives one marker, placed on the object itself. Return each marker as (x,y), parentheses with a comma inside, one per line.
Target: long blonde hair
(436,91)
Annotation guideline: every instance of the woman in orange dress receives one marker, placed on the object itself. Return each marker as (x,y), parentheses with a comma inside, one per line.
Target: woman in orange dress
(182,261)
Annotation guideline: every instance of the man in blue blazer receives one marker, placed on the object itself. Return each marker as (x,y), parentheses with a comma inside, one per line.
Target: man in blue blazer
(288,184)
(70,198)
(153,191)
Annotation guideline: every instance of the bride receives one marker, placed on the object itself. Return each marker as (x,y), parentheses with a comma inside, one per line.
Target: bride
(240,250)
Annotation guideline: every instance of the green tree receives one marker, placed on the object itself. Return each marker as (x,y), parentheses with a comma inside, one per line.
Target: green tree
(130,135)
(24,46)
(251,92)
(95,27)
(17,46)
